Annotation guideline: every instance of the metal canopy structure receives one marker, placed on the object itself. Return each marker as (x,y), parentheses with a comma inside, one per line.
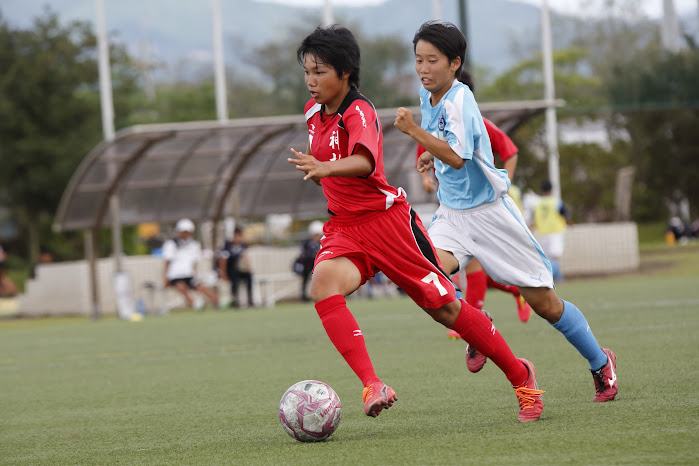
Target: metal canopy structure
(210,170)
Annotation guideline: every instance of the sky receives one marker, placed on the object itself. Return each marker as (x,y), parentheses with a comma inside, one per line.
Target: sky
(652,8)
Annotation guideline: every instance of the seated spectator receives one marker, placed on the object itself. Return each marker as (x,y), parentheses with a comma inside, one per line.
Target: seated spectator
(676,230)
(234,266)
(181,256)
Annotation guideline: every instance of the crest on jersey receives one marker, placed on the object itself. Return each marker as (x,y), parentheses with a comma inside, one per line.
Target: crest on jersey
(441,123)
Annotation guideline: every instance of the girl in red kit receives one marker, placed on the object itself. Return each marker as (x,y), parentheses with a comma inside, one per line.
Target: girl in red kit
(372,227)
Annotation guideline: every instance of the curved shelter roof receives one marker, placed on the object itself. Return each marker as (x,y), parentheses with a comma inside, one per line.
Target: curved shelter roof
(209,170)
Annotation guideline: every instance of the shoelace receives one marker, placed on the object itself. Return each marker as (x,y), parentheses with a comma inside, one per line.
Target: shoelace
(527,396)
(472,352)
(598,376)
(367,392)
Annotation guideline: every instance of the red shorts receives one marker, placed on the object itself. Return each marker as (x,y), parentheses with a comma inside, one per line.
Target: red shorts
(396,243)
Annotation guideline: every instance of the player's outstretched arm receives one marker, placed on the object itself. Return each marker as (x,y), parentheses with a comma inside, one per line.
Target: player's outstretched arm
(359,164)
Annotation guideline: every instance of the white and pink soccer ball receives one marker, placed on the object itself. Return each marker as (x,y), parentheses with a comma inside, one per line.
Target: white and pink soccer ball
(310,411)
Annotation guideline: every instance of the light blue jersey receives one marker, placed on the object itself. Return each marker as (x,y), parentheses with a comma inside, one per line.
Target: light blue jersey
(457,120)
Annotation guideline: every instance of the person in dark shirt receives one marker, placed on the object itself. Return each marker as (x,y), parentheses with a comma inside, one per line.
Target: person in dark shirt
(234,266)
(309,249)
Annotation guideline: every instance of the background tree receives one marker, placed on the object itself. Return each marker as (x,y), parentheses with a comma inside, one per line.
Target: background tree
(585,186)
(49,114)
(385,76)
(656,102)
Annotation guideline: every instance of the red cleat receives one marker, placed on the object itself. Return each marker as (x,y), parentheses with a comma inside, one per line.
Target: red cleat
(529,396)
(606,385)
(524,310)
(474,359)
(377,397)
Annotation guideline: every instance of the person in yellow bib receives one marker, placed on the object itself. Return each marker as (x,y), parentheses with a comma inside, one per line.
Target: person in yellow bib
(551,217)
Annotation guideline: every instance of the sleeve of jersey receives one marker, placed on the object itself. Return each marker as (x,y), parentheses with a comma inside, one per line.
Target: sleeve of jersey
(462,128)
(362,127)
(500,142)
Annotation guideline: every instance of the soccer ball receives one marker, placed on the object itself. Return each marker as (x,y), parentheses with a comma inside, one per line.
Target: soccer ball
(310,411)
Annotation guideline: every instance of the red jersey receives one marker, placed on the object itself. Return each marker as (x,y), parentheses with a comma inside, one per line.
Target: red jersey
(499,141)
(333,137)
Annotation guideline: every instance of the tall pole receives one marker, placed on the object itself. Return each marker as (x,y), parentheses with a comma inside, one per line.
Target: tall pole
(670,27)
(549,96)
(219,67)
(91,255)
(437,9)
(104,74)
(107,106)
(463,25)
(328,18)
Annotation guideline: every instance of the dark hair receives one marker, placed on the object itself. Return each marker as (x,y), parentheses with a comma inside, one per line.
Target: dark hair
(446,37)
(546,186)
(466,78)
(334,46)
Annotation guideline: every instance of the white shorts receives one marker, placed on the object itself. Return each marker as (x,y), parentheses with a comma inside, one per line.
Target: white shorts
(552,244)
(496,235)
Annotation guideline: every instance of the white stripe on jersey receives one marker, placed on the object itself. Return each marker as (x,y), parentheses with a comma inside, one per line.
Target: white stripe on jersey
(455,123)
(312,111)
(390,197)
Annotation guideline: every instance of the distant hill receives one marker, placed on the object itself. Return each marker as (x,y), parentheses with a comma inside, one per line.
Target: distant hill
(177,31)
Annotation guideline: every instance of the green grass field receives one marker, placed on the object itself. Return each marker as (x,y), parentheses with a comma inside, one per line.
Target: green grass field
(203,388)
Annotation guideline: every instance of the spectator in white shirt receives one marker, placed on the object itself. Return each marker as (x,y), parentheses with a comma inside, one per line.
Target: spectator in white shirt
(181,257)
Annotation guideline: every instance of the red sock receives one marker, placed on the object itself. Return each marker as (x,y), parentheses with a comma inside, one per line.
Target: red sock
(456,280)
(345,334)
(506,288)
(479,331)
(476,284)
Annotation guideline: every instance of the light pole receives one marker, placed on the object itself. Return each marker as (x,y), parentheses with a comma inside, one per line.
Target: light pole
(327,13)
(219,68)
(549,96)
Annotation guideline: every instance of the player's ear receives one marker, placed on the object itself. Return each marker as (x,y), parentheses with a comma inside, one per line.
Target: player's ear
(455,64)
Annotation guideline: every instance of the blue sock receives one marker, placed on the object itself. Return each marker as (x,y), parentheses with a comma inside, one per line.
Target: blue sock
(574,327)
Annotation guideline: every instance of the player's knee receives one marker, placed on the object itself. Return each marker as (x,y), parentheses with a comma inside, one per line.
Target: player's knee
(549,307)
(445,315)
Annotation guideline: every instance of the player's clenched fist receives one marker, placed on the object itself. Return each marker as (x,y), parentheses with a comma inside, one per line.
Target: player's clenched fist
(404,120)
